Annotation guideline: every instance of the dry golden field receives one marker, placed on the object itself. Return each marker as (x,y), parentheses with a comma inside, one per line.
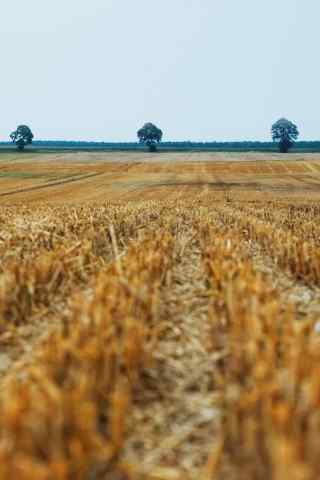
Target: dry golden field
(159,316)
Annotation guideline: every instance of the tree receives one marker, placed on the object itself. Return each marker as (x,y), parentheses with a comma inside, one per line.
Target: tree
(22,136)
(150,135)
(284,132)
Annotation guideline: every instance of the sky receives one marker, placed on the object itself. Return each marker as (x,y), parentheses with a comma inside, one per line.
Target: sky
(199,69)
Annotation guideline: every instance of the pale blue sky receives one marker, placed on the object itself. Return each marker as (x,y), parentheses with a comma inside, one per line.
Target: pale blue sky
(200,69)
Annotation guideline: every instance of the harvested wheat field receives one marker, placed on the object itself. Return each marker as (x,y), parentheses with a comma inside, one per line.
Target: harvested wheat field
(160,316)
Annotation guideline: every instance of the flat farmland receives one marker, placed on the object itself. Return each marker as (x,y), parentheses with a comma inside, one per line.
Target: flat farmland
(98,177)
(159,316)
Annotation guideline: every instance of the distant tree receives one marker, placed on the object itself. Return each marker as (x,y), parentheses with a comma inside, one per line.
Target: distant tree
(150,135)
(22,136)
(286,133)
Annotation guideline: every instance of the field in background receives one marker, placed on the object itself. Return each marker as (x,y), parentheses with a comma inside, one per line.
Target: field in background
(159,316)
(80,177)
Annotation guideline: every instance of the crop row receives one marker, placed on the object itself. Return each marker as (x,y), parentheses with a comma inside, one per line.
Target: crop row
(289,252)
(267,375)
(40,267)
(29,232)
(65,416)
(302,220)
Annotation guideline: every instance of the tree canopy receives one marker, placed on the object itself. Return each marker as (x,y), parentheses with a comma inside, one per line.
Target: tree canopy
(150,135)
(22,136)
(286,133)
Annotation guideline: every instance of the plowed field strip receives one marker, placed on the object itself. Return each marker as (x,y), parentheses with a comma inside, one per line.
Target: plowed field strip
(174,420)
(119,174)
(49,185)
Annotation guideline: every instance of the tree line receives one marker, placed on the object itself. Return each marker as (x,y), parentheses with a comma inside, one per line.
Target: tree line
(283,132)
